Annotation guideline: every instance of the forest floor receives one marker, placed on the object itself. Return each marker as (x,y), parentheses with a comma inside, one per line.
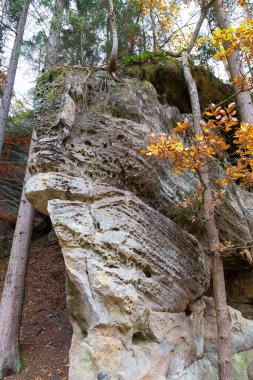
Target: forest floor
(45,331)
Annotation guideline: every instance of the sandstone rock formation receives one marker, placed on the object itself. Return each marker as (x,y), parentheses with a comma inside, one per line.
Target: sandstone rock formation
(135,277)
(12,170)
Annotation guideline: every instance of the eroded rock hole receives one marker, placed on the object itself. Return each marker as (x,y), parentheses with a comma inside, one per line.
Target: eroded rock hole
(147,271)
(87,142)
(102,376)
(188,310)
(138,337)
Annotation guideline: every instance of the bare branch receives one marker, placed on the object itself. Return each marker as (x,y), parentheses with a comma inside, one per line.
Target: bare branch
(204,9)
(8,27)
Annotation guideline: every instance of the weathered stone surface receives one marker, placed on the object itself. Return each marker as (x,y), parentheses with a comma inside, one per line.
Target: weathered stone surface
(127,266)
(240,291)
(12,170)
(133,244)
(111,123)
(133,275)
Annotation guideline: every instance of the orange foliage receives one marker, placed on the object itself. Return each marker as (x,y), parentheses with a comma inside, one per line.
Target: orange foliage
(239,38)
(188,151)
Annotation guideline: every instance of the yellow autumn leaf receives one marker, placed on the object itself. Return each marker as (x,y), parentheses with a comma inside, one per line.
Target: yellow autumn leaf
(199,137)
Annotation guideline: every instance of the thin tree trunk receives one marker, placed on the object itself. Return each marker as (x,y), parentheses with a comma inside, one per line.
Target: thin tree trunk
(222,317)
(153,31)
(51,57)
(143,36)
(13,292)
(247,11)
(2,10)
(8,89)
(114,53)
(107,38)
(248,16)
(243,99)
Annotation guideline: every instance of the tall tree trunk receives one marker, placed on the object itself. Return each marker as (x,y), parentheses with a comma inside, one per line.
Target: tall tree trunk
(8,89)
(107,38)
(13,292)
(114,53)
(247,11)
(2,10)
(144,37)
(222,317)
(248,16)
(51,57)
(153,31)
(243,99)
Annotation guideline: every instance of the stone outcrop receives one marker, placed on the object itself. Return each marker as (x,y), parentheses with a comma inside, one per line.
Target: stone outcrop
(240,291)
(12,171)
(135,277)
(166,75)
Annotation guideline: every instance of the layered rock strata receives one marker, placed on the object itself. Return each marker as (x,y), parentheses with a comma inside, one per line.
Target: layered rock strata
(135,278)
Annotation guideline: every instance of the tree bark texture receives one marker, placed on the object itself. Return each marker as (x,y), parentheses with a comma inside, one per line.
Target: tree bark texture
(243,99)
(52,51)
(222,317)
(4,3)
(8,89)
(247,11)
(13,292)
(114,53)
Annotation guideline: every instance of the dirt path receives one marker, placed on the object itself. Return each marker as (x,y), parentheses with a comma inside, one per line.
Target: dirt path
(46,332)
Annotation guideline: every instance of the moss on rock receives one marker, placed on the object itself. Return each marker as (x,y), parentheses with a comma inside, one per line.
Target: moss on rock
(241,363)
(49,76)
(166,75)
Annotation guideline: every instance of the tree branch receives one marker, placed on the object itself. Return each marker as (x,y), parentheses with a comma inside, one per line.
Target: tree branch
(8,27)
(204,9)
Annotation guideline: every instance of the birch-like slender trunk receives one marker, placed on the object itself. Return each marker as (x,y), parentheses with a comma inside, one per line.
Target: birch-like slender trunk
(51,57)
(243,99)
(153,31)
(14,286)
(222,317)
(247,11)
(114,53)
(4,3)
(8,89)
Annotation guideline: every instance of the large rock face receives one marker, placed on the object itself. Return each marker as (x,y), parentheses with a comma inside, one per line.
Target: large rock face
(135,278)
(12,171)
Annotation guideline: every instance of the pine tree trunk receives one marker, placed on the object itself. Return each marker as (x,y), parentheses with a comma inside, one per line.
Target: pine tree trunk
(13,292)
(51,57)
(8,89)
(243,99)
(222,317)
(114,53)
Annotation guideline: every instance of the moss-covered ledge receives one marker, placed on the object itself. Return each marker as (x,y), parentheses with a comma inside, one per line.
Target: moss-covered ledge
(166,75)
